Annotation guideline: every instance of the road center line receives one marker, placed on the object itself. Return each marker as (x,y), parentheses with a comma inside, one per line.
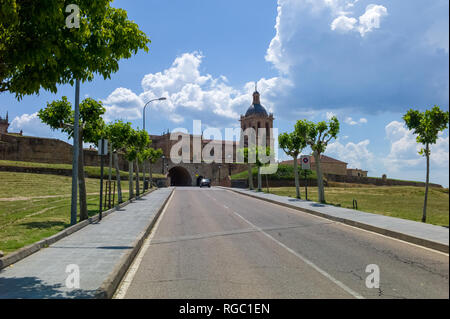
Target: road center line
(308,262)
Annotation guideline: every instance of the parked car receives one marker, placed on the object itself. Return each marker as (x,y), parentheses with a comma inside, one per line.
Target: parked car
(205,182)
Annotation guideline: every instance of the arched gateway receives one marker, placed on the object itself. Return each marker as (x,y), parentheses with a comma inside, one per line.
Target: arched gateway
(179,176)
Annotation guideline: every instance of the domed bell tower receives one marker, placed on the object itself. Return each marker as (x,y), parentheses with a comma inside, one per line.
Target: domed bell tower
(258,118)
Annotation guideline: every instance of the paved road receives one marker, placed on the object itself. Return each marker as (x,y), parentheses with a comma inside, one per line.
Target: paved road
(212,243)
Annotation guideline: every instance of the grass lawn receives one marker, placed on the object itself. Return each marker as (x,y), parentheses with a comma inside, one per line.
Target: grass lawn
(396,201)
(36,206)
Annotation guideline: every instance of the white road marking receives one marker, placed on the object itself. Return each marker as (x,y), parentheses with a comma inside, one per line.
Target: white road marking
(308,262)
(298,212)
(126,282)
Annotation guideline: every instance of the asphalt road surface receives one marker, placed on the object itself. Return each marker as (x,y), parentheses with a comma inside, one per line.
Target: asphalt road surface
(212,243)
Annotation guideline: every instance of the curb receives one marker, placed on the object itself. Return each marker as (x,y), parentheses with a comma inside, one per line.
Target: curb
(44,243)
(389,233)
(109,286)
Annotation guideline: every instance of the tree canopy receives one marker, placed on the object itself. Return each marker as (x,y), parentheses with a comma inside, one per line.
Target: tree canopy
(38,50)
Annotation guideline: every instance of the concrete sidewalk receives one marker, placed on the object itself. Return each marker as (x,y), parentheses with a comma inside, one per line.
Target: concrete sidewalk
(427,235)
(102,251)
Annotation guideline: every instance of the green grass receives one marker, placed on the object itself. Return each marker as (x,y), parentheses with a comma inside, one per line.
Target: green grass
(397,201)
(28,213)
(284,171)
(91,171)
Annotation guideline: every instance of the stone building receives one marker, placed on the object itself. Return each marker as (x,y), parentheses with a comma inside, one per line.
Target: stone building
(4,124)
(328,164)
(356,172)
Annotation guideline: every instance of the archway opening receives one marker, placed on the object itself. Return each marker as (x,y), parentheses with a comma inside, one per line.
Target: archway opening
(179,176)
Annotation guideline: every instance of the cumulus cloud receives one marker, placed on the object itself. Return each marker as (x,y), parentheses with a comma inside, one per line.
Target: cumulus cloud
(373,73)
(352,122)
(371,18)
(404,150)
(343,24)
(31,125)
(357,155)
(190,95)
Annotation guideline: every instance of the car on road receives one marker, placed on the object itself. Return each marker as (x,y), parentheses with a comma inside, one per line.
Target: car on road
(205,182)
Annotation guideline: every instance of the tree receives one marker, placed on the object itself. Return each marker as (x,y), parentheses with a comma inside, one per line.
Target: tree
(258,163)
(118,134)
(141,143)
(38,50)
(59,115)
(249,156)
(426,125)
(293,144)
(152,156)
(317,136)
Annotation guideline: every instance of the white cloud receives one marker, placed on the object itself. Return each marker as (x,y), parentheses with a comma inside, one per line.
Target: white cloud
(371,18)
(31,125)
(357,155)
(343,24)
(404,151)
(190,95)
(352,122)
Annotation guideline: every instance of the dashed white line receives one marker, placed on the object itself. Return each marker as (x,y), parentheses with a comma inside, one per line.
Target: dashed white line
(308,262)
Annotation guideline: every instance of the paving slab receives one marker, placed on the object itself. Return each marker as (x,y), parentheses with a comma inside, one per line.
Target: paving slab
(98,250)
(432,236)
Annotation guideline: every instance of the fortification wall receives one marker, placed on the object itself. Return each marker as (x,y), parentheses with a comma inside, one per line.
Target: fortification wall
(46,150)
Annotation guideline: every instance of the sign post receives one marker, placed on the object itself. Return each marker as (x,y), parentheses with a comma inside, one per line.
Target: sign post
(102,151)
(306,165)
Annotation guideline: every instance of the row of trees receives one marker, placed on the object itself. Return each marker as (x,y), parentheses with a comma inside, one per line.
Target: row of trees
(134,144)
(425,125)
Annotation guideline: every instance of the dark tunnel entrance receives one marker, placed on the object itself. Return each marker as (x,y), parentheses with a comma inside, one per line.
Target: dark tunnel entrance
(179,176)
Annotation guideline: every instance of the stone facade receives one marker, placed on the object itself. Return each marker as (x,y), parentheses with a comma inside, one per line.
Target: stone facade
(45,150)
(4,124)
(328,164)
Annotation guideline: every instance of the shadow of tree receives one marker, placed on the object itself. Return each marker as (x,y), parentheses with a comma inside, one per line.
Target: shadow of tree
(34,288)
(45,224)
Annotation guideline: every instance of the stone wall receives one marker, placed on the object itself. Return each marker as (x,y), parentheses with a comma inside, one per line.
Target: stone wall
(46,150)
(374,181)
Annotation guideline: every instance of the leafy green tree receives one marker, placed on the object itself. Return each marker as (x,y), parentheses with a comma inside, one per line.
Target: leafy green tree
(130,154)
(142,141)
(426,125)
(152,156)
(259,150)
(59,115)
(249,156)
(317,136)
(38,50)
(118,134)
(293,144)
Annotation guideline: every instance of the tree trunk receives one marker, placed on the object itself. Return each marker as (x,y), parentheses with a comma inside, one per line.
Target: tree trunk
(130,179)
(151,174)
(259,179)
(119,188)
(297,185)
(110,174)
(137,178)
(250,177)
(320,187)
(143,175)
(81,180)
(424,215)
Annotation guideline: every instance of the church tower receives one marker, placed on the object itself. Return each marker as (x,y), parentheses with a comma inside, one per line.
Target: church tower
(4,124)
(258,118)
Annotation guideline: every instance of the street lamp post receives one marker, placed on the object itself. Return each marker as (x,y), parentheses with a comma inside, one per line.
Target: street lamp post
(143,119)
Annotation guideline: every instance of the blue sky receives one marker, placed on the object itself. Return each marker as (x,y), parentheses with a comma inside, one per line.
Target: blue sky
(366,62)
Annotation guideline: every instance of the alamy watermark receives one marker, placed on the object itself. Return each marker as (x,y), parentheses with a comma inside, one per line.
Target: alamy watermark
(373,280)
(254,146)
(73,278)
(73,19)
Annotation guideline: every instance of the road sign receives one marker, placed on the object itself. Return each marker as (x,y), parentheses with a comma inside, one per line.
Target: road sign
(306,162)
(102,147)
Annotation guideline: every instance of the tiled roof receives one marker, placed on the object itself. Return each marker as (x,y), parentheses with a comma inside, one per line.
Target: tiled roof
(323,159)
